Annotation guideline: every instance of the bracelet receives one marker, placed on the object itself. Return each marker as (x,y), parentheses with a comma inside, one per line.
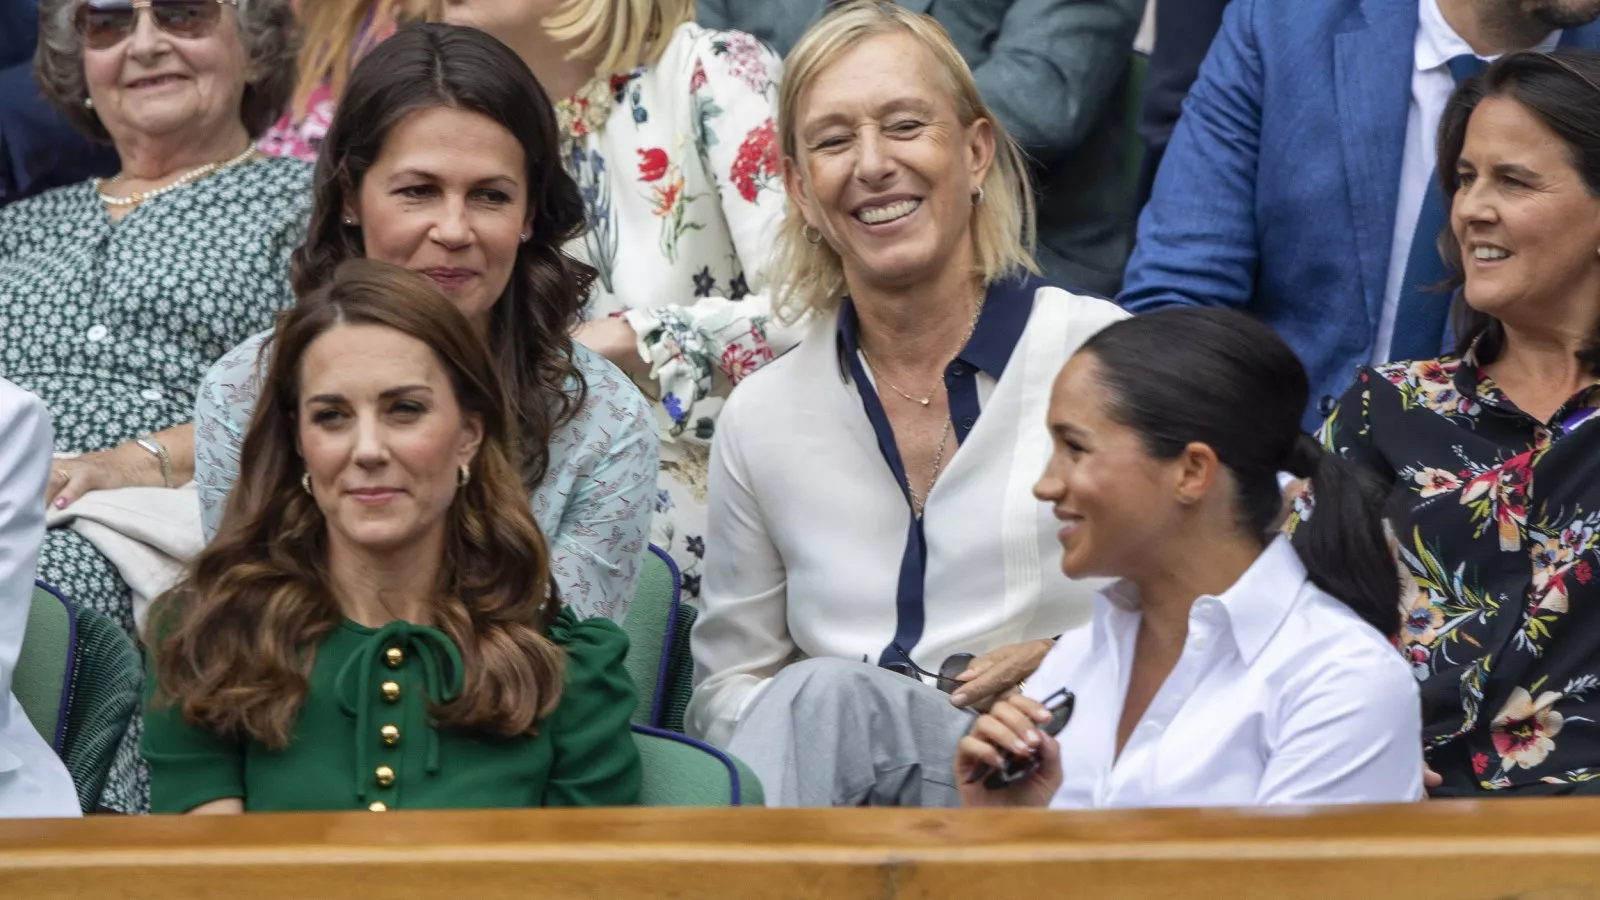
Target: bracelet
(160,451)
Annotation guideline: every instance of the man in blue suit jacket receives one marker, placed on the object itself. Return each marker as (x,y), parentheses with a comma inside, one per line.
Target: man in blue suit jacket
(1286,177)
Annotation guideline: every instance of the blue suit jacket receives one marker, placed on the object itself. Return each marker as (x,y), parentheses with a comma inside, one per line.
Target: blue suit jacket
(1277,193)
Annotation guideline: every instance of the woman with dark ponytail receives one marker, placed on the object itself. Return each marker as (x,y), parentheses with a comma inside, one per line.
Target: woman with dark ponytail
(1228,666)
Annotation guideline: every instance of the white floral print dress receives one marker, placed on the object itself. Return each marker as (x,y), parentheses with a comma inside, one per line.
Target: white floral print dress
(678,163)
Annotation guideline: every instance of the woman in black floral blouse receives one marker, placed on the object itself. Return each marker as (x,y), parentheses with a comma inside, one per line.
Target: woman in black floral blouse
(1494,451)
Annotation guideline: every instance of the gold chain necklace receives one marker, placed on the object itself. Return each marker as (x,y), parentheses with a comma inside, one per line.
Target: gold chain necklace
(920,501)
(138,197)
(971,327)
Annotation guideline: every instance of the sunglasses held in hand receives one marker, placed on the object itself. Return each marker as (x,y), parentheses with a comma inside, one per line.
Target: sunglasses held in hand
(946,678)
(107,23)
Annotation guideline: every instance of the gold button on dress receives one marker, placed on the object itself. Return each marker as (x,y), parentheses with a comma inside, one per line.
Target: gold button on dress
(385,776)
(390,735)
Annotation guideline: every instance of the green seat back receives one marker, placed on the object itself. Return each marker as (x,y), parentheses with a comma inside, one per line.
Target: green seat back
(653,626)
(79,678)
(43,679)
(681,771)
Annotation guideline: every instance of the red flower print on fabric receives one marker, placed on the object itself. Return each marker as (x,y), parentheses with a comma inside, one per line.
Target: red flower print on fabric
(698,79)
(757,160)
(652,164)
(738,361)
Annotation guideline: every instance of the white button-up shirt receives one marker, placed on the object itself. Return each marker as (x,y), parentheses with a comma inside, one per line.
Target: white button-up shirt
(1282,695)
(33,782)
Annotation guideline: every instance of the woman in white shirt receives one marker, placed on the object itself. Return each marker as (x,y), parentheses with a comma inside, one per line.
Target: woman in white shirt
(869,512)
(1227,666)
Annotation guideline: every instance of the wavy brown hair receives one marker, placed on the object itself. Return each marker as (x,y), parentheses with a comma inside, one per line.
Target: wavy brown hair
(235,643)
(424,66)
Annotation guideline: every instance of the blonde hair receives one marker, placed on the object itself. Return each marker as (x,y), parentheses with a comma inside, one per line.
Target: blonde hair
(810,277)
(626,34)
(340,32)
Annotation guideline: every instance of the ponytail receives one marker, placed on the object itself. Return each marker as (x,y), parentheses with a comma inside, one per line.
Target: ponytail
(1343,544)
(1220,378)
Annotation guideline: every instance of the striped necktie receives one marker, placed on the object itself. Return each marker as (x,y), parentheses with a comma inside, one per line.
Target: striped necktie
(1423,310)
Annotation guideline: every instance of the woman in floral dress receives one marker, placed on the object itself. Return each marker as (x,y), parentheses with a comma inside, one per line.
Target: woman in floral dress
(669,132)
(116,295)
(1492,452)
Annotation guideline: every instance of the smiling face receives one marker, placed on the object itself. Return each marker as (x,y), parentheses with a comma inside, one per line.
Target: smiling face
(1528,228)
(383,437)
(1114,501)
(885,169)
(156,87)
(447,197)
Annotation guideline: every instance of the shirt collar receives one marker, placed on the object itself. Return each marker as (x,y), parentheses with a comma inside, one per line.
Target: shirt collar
(1437,42)
(1256,604)
(1006,307)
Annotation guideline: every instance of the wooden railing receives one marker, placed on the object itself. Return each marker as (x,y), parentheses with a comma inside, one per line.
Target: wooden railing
(1539,849)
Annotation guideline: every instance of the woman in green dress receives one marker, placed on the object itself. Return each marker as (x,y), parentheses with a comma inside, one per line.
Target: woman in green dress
(117,295)
(374,625)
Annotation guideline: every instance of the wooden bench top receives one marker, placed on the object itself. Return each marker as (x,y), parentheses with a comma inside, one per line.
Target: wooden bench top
(1533,849)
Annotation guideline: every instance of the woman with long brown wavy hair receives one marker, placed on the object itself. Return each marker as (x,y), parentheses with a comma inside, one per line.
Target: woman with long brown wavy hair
(443,158)
(375,623)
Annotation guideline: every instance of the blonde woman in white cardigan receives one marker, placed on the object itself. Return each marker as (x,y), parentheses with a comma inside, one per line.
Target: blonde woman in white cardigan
(870,507)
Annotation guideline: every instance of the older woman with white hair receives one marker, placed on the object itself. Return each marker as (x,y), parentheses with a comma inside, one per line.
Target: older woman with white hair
(870,508)
(117,294)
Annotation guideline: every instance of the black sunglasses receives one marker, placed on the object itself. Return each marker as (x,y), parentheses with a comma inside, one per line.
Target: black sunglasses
(945,678)
(107,23)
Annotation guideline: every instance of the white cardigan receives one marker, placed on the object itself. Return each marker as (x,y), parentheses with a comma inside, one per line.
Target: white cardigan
(808,525)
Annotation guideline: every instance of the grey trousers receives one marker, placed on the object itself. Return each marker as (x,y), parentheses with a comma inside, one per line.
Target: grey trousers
(833,732)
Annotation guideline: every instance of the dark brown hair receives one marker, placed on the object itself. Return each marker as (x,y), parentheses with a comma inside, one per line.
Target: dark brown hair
(235,642)
(1560,89)
(425,66)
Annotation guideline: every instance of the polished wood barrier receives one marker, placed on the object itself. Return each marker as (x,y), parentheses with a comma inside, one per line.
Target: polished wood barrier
(1537,849)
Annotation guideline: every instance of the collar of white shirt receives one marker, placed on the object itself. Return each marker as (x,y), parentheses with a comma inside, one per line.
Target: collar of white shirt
(1437,43)
(1253,607)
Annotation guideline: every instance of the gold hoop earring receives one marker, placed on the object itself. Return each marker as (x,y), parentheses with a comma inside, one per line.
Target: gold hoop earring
(464,475)
(806,231)
(305,482)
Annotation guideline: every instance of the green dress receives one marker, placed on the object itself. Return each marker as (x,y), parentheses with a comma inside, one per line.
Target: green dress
(362,739)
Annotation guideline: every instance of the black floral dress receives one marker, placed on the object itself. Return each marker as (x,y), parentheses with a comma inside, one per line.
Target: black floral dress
(1498,521)
(114,324)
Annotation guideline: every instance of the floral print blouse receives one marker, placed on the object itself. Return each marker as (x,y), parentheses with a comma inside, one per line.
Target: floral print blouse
(1497,516)
(679,167)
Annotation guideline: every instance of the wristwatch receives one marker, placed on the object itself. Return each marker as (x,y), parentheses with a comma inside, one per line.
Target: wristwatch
(156,447)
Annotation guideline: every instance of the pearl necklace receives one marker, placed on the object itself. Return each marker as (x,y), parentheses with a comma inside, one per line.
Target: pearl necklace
(138,197)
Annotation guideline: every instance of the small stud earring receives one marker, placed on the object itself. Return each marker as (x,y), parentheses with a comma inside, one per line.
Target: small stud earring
(305,482)
(524,237)
(88,103)
(350,221)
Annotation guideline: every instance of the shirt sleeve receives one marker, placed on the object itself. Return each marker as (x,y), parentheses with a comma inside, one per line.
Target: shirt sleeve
(222,411)
(1349,732)
(597,550)
(595,762)
(25,441)
(189,766)
(741,638)
(733,86)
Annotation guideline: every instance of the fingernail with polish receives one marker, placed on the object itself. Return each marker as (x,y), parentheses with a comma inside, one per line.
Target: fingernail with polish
(1033,736)
(61,503)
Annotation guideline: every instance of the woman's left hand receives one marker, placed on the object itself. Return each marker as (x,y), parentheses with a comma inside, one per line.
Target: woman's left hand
(998,672)
(71,478)
(615,339)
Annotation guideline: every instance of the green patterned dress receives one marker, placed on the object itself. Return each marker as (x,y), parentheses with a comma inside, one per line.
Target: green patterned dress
(114,324)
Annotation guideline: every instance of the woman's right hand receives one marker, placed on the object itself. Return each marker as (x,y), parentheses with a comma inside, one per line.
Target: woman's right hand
(1010,725)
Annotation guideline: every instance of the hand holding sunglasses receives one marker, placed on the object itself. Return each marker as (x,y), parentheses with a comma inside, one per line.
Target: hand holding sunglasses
(106,23)
(996,754)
